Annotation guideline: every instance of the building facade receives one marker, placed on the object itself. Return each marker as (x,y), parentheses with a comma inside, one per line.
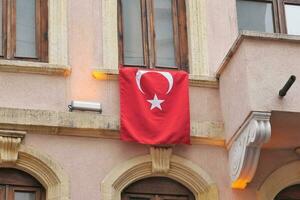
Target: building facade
(238,53)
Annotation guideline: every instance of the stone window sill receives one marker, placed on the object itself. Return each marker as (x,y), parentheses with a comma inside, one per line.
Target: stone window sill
(194,80)
(17,66)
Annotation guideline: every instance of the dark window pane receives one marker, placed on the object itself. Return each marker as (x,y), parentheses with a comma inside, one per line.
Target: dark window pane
(292,15)
(289,193)
(164,40)
(24,196)
(254,15)
(132,32)
(25,29)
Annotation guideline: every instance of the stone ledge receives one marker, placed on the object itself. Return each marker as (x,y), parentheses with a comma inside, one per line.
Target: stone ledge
(88,124)
(17,66)
(194,80)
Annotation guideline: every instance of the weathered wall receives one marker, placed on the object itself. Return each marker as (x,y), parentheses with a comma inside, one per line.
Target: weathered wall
(87,161)
(85,54)
(253,77)
(234,95)
(222,30)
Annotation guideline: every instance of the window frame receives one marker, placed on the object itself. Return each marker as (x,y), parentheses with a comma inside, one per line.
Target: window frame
(148,35)
(157,188)
(13,180)
(279,17)
(9,31)
(282,16)
(13,189)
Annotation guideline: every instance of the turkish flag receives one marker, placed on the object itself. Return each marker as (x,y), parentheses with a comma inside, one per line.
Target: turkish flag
(154,106)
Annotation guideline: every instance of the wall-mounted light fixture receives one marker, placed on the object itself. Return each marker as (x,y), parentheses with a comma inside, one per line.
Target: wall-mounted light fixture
(99,75)
(85,106)
(287,86)
(105,74)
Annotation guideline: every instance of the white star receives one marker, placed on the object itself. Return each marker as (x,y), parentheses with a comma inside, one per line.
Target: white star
(155,103)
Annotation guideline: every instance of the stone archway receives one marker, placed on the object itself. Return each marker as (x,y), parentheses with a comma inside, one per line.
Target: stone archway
(281,178)
(180,169)
(44,169)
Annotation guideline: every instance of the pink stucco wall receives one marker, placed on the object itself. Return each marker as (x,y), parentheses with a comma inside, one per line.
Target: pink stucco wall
(87,161)
(253,77)
(85,54)
(221,30)
(33,91)
(234,94)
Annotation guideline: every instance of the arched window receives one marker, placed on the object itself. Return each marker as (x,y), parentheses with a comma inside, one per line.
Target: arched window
(289,193)
(18,185)
(157,188)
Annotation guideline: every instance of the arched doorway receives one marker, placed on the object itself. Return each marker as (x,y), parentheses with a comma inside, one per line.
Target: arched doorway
(283,181)
(183,171)
(19,185)
(291,193)
(44,169)
(156,188)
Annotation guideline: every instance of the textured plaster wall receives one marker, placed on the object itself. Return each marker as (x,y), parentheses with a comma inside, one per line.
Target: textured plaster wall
(32,91)
(84,49)
(234,96)
(221,30)
(253,77)
(85,54)
(88,160)
(278,158)
(270,64)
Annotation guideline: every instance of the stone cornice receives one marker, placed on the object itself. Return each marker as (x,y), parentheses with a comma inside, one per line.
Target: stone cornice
(245,150)
(88,124)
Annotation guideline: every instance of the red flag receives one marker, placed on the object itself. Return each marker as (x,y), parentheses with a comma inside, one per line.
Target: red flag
(154,106)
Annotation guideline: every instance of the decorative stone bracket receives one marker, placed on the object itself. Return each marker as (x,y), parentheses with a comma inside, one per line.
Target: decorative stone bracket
(161,157)
(245,150)
(9,145)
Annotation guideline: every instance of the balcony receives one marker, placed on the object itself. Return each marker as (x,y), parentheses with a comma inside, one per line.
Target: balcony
(254,70)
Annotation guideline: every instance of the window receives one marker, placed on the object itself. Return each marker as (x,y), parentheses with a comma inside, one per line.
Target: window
(291,192)
(24,30)
(157,188)
(269,15)
(152,33)
(18,185)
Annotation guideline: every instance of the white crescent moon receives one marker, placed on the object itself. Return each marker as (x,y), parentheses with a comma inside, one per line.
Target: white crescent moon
(167,75)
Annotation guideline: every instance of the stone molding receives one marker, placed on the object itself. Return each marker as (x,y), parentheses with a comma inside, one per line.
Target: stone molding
(281,178)
(45,170)
(196,26)
(10,142)
(160,159)
(58,32)
(88,124)
(245,150)
(181,170)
